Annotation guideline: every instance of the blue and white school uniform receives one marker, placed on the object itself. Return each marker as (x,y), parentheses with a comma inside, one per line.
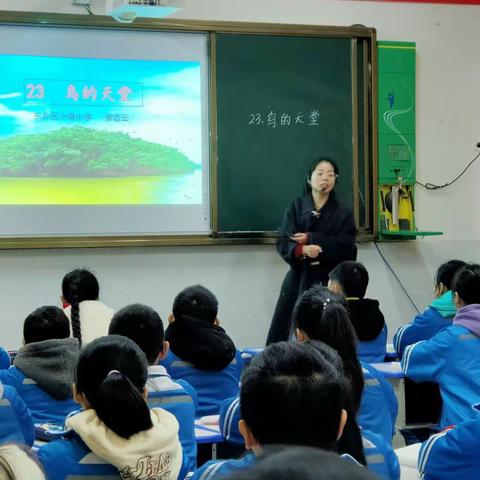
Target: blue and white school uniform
(43,407)
(221,469)
(16,425)
(380,456)
(378,409)
(42,374)
(212,387)
(5,360)
(451,359)
(90,450)
(379,405)
(373,351)
(228,420)
(452,453)
(427,324)
(180,399)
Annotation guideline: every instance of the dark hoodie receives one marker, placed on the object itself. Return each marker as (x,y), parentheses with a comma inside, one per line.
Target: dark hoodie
(366,318)
(205,345)
(50,364)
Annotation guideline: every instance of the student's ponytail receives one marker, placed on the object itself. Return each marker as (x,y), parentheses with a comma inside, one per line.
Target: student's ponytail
(322,315)
(111,373)
(121,406)
(341,336)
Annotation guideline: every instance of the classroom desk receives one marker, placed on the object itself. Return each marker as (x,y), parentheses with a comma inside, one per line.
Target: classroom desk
(390,354)
(207,431)
(249,353)
(407,458)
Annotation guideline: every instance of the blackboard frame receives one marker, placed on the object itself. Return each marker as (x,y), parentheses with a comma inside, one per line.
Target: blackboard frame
(368,133)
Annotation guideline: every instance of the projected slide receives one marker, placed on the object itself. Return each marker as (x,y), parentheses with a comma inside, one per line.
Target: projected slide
(91,131)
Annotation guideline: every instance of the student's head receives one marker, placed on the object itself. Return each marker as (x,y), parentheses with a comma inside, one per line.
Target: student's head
(77,286)
(144,326)
(302,463)
(466,285)
(321,176)
(110,378)
(444,276)
(197,302)
(17,464)
(292,394)
(320,314)
(349,278)
(45,323)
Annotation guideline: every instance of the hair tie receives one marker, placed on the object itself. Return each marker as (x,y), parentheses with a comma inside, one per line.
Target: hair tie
(112,371)
(326,302)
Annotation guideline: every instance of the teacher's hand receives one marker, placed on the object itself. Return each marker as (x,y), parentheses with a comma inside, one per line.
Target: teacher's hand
(311,251)
(300,238)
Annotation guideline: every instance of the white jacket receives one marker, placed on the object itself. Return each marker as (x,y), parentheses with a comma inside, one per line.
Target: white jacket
(153,453)
(94,319)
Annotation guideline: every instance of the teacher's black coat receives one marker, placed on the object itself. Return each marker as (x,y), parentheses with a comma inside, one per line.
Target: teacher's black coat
(333,229)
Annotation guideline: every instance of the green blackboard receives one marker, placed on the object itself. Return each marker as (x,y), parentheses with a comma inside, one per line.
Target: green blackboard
(282,101)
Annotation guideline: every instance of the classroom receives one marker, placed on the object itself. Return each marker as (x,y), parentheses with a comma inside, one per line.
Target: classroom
(246,276)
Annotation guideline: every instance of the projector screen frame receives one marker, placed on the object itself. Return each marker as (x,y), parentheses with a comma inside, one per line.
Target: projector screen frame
(49,19)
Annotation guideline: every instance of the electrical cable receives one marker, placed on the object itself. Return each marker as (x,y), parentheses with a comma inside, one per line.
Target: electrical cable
(396,277)
(432,186)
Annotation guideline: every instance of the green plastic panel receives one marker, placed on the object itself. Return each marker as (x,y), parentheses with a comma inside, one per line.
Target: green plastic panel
(396,112)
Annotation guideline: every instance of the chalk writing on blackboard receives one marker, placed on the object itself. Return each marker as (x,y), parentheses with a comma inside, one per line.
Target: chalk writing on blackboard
(285,119)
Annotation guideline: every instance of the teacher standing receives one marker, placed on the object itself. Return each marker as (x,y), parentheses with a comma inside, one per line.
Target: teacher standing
(317,234)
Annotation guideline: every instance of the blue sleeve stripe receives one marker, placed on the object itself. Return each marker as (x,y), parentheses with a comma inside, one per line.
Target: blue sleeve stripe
(406,357)
(399,336)
(426,450)
(211,471)
(228,420)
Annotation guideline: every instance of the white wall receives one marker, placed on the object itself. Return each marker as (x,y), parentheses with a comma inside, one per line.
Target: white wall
(247,279)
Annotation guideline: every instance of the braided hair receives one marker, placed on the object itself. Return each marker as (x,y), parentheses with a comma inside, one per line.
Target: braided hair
(77,286)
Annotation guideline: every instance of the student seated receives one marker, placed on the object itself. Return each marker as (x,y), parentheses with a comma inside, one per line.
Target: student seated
(16,463)
(379,405)
(375,451)
(302,463)
(451,358)
(350,442)
(42,372)
(116,433)
(90,318)
(320,315)
(452,453)
(144,326)
(200,351)
(16,423)
(289,395)
(350,279)
(438,315)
